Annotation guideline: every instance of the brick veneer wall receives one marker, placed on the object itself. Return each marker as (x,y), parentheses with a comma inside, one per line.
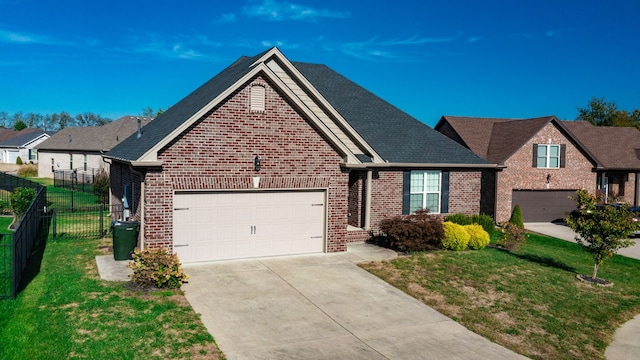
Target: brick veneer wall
(218,151)
(386,202)
(519,173)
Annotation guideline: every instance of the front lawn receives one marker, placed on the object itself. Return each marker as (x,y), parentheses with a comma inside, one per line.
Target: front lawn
(529,301)
(67,312)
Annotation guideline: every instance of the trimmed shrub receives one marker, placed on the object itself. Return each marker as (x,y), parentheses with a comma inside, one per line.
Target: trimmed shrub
(484,220)
(455,236)
(20,200)
(19,161)
(156,267)
(512,236)
(416,232)
(29,170)
(478,237)
(487,223)
(516,217)
(460,219)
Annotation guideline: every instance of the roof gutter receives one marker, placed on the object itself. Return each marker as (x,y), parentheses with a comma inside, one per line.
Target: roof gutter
(390,165)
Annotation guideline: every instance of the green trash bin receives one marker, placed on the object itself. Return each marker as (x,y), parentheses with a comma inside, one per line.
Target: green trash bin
(125,238)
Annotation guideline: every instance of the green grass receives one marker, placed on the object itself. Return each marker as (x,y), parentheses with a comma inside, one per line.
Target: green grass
(67,312)
(529,301)
(5,221)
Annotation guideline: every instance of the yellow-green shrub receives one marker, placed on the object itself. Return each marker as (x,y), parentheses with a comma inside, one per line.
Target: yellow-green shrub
(478,237)
(455,236)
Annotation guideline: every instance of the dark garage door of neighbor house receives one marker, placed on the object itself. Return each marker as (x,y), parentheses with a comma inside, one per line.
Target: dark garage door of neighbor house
(543,205)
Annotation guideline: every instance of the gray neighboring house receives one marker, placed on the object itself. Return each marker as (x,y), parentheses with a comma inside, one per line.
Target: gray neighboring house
(81,148)
(21,144)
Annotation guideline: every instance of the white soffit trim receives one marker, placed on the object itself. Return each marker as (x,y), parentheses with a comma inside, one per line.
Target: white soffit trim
(335,115)
(351,158)
(152,154)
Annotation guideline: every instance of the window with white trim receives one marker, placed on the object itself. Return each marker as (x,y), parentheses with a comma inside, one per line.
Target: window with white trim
(548,156)
(426,187)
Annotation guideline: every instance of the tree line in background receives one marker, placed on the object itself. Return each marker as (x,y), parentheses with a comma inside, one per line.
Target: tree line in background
(61,120)
(600,112)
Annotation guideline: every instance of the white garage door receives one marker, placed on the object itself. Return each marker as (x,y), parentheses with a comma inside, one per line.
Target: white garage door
(234,225)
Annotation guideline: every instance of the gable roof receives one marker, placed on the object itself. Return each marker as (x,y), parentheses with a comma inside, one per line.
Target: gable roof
(497,139)
(133,149)
(616,148)
(24,137)
(93,138)
(395,135)
(387,131)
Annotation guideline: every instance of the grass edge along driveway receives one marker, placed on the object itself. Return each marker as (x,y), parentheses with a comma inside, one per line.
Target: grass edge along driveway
(67,312)
(528,301)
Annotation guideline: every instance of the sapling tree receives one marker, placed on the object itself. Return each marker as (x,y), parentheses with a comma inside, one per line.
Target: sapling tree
(602,230)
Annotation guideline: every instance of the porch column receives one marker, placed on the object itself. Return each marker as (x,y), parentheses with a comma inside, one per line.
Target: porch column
(635,190)
(603,188)
(367,201)
(143,205)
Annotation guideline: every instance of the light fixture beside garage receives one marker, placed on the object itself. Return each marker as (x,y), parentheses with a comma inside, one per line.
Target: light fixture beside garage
(256,168)
(256,163)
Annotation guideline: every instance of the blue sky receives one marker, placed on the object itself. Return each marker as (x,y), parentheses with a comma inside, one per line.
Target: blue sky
(429,58)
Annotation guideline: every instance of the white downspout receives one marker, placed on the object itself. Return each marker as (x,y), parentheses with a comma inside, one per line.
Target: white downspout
(367,205)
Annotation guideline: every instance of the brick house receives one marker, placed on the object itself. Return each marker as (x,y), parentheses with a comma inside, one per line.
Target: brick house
(542,161)
(272,157)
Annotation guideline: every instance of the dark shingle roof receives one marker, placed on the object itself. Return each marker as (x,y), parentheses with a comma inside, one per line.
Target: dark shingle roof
(614,147)
(508,136)
(496,139)
(21,138)
(132,149)
(392,133)
(93,138)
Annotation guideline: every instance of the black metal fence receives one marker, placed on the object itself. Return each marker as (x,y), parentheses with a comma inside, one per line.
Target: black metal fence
(16,248)
(87,222)
(76,179)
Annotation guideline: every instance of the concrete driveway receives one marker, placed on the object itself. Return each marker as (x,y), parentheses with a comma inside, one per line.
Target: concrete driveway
(561,231)
(323,307)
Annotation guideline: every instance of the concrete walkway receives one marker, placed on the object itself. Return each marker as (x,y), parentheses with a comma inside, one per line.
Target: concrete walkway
(323,307)
(626,340)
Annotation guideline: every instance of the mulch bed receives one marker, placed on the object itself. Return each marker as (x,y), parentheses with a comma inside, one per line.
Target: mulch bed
(595,281)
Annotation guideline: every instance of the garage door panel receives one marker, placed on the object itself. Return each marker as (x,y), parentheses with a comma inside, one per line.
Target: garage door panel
(543,205)
(215,226)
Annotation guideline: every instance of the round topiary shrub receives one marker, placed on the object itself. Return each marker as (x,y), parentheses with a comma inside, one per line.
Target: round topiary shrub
(478,237)
(455,236)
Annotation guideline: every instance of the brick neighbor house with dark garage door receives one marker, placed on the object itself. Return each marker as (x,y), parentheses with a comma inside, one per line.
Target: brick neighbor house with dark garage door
(541,162)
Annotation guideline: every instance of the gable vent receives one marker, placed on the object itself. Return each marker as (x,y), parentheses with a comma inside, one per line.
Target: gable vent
(257,98)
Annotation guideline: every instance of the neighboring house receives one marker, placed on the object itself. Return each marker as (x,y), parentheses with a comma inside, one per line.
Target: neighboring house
(81,148)
(22,144)
(271,157)
(543,161)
